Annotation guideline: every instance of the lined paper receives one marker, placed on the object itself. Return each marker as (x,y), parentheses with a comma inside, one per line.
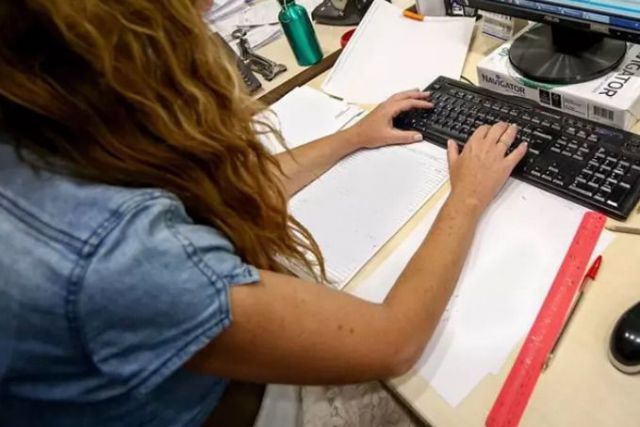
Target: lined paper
(356,207)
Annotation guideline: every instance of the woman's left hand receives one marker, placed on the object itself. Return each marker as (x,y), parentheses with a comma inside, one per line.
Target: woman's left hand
(376,129)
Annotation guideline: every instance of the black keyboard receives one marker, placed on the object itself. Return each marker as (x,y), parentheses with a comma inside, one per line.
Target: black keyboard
(591,164)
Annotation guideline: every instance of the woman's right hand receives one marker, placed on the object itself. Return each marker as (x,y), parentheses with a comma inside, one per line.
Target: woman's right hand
(480,171)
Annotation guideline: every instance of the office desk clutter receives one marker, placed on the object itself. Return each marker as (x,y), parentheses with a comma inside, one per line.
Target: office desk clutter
(259,19)
(341,13)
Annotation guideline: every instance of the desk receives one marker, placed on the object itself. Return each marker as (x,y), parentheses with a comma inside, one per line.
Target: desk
(581,388)
(280,51)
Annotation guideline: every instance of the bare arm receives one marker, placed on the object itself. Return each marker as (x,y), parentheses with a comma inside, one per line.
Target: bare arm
(304,164)
(287,330)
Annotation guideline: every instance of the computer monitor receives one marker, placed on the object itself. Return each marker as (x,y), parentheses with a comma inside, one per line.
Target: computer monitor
(580,41)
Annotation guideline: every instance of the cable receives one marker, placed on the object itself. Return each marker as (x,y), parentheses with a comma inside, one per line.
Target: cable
(467,80)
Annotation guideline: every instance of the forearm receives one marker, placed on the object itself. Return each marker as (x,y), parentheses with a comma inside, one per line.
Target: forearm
(304,164)
(329,337)
(423,290)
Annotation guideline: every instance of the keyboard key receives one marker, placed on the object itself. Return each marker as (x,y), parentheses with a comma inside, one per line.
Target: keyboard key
(580,181)
(593,185)
(617,195)
(541,134)
(582,191)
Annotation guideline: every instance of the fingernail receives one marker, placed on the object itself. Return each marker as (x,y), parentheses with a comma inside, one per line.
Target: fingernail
(451,141)
(417,137)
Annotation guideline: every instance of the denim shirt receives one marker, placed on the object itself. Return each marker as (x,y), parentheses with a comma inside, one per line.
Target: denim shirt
(105,293)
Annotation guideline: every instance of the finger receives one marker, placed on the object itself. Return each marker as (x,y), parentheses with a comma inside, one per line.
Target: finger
(480,133)
(409,104)
(404,137)
(453,152)
(410,94)
(516,156)
(496,132)
(507,138)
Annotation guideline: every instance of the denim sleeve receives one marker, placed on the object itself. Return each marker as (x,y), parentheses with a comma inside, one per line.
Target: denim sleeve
(155,293)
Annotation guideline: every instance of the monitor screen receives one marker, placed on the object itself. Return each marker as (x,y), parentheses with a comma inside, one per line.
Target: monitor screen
(623,14)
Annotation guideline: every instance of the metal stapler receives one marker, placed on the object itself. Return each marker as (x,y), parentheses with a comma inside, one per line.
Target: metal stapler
(258,63)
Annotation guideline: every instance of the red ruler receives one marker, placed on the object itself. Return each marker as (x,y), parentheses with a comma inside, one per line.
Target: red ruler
(508,408)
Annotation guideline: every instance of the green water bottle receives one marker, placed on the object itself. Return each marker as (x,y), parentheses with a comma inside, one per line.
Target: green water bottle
(299,31)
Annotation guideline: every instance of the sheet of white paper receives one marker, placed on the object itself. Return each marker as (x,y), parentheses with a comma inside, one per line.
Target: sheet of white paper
(225,9)
(306,114)
(518,249)
(359,204)
(389,53)
(266,12)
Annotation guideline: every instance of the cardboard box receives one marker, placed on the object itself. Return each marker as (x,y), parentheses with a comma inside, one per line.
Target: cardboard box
(613,100)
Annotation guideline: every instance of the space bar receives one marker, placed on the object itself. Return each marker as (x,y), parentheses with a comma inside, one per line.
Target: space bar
(441,136)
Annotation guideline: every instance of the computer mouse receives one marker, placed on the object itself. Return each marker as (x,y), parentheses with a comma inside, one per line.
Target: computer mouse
(624,345)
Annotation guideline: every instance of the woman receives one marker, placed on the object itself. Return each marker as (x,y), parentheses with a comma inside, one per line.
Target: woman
(148,255)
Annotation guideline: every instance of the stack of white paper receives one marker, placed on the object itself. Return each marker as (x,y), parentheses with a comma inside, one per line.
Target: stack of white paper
(518,249)
(260,20)
(222,9)
(389,53)
(228,15)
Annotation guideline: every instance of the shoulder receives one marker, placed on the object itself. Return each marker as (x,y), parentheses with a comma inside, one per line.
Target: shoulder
(73,212)
(155,292)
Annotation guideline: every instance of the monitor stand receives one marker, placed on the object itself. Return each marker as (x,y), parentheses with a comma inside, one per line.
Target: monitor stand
(560,55)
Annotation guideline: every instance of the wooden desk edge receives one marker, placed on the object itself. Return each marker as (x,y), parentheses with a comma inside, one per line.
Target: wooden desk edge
(300,79)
